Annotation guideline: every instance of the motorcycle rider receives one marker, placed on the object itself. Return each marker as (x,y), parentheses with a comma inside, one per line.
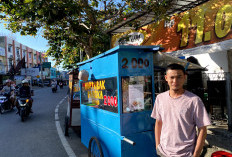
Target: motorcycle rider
(25,92)
(54,84)
(61,84)
(9,90)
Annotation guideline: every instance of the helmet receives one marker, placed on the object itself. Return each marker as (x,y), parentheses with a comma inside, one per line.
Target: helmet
(25,81)
(8,81)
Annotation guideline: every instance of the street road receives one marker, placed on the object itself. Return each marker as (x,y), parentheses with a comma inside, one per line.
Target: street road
(37,136)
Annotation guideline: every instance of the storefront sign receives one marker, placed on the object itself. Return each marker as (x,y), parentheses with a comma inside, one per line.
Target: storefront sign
(101,93)
(134,38)
(46,65)
(206,24)
(30,72)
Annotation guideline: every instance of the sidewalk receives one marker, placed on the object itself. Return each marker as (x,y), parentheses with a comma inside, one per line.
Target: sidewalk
(218,136)
(74,138)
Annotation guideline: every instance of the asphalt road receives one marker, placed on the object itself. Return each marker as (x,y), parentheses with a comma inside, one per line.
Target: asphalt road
(37,136)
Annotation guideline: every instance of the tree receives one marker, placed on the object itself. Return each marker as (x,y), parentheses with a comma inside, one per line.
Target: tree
(71,26)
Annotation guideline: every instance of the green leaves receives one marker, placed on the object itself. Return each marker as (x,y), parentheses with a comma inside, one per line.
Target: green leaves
(71,26)
(28,1)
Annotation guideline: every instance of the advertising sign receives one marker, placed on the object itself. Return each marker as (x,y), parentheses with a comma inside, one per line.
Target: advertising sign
(19,78)
(30,72)
(205,24)
(46,65)
(136,97)
(101,94)
(133,38)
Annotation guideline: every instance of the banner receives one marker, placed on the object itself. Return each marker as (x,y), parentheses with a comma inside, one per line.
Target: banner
(30,72)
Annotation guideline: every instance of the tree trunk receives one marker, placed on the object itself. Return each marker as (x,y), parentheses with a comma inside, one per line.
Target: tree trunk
(89,48)
(89,52)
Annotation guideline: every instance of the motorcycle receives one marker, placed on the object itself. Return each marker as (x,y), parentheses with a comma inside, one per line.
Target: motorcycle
(24,108)
(54,88)
(61,85)
(5,104)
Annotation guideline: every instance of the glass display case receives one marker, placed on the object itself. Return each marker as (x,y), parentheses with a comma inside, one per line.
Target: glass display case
(136,93)
(101,94)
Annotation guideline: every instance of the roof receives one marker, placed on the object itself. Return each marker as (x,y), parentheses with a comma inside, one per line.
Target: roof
(162,60)
(150,48)
(147,18)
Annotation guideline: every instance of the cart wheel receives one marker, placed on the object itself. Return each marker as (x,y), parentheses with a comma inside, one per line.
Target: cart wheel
(66,126)
(94,149)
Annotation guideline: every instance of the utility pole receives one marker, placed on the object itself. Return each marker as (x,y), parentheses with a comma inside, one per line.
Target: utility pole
(41,69)
(228,101)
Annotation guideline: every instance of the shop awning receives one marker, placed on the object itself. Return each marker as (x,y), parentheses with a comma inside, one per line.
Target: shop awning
(148,17)
(162,60)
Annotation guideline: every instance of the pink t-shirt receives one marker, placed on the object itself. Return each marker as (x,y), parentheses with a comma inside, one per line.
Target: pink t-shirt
(180,117)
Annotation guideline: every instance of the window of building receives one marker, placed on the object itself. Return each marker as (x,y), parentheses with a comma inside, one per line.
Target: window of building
(2,41)
(29,54)
(18,52)
(9,48)
(24,53)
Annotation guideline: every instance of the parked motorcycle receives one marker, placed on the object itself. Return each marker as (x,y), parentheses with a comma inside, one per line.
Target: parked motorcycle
(54,88)
(24,108)
(5,104)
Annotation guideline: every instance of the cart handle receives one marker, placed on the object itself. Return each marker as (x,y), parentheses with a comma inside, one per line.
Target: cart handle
(128,140)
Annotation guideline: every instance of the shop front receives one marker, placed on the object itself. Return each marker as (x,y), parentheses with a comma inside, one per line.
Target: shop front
(203,33)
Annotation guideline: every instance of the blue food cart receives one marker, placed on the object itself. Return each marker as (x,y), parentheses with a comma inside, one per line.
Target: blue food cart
(117,101)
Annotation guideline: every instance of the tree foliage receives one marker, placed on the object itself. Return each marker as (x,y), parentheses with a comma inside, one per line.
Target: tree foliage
(71,26)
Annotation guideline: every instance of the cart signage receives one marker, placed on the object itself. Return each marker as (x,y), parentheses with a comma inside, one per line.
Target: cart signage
(139,62)
(101,94)
(135,63)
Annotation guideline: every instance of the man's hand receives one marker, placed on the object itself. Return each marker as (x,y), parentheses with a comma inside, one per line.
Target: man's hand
(158,126)
(202,133)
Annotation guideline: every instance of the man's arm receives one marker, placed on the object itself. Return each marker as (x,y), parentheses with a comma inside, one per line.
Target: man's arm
(202,133)
(158,126)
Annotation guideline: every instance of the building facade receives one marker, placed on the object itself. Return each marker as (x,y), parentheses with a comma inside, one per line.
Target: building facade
(204,32)
(12,52)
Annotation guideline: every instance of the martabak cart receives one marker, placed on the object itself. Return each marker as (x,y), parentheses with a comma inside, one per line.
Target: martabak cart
(72,119)
(117,101)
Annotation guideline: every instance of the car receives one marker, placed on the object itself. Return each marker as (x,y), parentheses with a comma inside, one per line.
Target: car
(45,83)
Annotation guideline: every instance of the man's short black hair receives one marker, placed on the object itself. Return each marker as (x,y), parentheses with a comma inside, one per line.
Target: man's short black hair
(175,66)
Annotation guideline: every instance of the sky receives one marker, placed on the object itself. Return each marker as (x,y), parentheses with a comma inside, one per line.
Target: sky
(37,43)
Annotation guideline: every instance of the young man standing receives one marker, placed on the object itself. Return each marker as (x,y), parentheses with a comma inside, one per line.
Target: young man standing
(178,112)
